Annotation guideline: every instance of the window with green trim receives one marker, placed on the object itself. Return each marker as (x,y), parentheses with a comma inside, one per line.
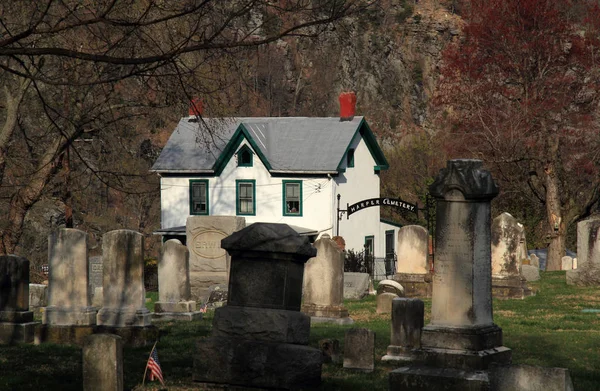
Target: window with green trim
(350,158)
(244,157)
(292,198)
(245,196)
(198,196)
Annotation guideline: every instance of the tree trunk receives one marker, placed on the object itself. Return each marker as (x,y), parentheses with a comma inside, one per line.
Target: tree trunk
(27,196)
(557,225)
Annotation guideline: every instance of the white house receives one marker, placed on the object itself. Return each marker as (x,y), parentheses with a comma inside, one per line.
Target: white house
(280,170)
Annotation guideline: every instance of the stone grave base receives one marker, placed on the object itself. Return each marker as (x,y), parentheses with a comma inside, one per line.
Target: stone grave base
(589,276)
(132,336)
(68,317)
(17,332)
(177,316)
(510,288)
(262,324)
(415,285)
(182,306)
(419,378)
(236,361)
(120,317)
(327,314)
(71,335)
(337,321)
(401,353)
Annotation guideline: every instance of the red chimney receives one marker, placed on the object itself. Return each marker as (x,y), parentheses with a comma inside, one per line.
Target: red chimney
(196,107)
(347,106)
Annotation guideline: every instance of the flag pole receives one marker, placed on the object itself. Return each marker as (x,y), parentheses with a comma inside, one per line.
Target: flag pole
(146,369)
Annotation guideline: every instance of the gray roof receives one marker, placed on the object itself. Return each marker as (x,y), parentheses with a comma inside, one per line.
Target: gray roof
(295,144)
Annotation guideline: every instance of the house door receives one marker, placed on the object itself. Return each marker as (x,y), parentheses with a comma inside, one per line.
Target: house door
(390,253)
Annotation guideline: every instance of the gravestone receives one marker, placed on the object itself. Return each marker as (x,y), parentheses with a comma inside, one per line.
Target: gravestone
(38,298)
(323,287)
(522,248)
(95,273)
(216,296)
(507,281)
(461,338)
(390,286)
(174,294)
(260,338)
(16,321)
(359,348)
(98,297)
(407,321)
(124,309)
(534,260)
(529,378)
(102,362)
(209,262)
(566,263)
(530,273)
(588,254)
(384,302)
(574,263)
(69,296)
(356,285)
(412,268)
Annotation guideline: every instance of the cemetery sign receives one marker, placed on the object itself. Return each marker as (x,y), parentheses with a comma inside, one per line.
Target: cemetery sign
(397,202)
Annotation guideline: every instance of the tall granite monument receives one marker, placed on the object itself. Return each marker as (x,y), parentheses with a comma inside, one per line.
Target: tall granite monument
(260,338)
(461,339)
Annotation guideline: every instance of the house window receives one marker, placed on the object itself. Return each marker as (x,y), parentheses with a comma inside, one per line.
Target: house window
(245,191)
(369,246)
(292,198)
(350,158)
(244,157)
(198,196)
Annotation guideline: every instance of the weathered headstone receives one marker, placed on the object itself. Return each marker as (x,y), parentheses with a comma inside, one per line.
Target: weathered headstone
(359,348)
(38,298)
(412,269)
(522,248)
(530,273)
(98,298)
(124,296)
(323,286)
(16,321)
(529,378)
(390,286)
(574,263)
(216,296)
(588,254)
(95,273)
(534,260)
(102,362)
(462,337)
(69,296)
(407,322)
(260,338)
(384,302)
(356,285)
(174,294)
(209,262)
(506,235)
(566,263)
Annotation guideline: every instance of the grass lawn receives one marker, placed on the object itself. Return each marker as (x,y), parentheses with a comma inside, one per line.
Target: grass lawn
(548,329)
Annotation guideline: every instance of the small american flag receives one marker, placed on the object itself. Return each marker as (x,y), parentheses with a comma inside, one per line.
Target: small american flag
(203,308)
(154,366)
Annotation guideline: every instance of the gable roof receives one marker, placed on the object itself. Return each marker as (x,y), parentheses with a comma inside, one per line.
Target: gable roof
(283,144)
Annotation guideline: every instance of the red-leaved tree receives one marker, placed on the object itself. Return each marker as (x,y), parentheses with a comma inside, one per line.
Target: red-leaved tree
(519,89)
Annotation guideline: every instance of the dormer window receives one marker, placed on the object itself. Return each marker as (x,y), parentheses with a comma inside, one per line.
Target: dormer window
(244,157)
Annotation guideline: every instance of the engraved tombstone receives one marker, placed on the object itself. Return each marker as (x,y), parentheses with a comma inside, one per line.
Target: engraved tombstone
(174,295)
(124,296)
(260,338)
(323,288)
(102,362)
(407,322)
(16,321)
(359,348)
(461,337)
(95,272)
(507,281)
(69,296)
(412,267)
(587,272)
(209,262)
